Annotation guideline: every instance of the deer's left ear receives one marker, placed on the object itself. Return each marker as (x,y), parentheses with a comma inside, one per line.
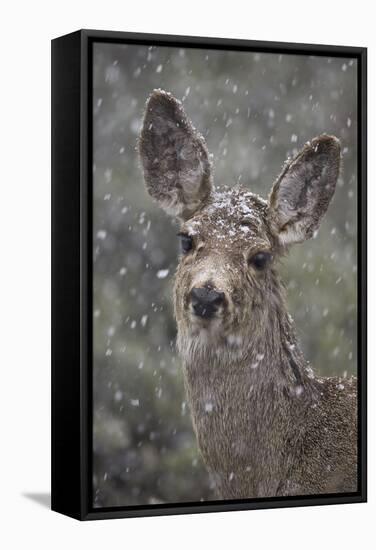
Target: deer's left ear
(302,193)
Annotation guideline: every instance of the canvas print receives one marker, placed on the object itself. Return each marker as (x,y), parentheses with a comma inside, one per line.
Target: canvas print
(224,275)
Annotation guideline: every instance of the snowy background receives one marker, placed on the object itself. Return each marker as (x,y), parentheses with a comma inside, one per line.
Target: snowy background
(254,110)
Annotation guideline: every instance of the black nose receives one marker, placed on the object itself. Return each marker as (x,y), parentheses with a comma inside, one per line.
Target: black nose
(205,301)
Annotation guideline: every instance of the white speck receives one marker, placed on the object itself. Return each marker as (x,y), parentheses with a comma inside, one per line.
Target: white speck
(234,340)
(99,102)
(144,320)
(101,234)
(135,402)
(121,150)
(299,390)
(294,138)
(260,356)
(234,89)
(162,273)
(108,175)
(108,352)
(208,407)
(159,69)
(231,476)
(288,117)
(133,324)
(141,365)
(118,395)
(111,331)
(135,125)
(123,271)
(340,386)
(348,122)
(310,373)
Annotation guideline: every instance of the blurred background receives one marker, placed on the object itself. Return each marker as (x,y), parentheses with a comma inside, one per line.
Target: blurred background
(254,110)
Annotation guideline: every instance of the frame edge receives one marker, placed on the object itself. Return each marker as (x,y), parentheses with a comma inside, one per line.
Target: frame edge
(66,433)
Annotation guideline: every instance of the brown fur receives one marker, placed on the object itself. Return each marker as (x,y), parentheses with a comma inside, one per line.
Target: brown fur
(265,425)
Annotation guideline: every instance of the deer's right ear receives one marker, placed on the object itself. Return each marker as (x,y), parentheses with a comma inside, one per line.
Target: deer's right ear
(174,157)
(302,193)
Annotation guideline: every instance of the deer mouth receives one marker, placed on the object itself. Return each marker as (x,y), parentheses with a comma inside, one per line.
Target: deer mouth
(203,311)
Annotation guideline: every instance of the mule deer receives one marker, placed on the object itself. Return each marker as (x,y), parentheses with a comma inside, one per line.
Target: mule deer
(265,424)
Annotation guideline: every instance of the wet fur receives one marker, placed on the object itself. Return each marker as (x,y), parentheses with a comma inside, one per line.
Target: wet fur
(265,424)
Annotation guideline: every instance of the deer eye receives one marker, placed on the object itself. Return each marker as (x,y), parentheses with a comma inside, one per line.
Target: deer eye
(260,260)
(186,242)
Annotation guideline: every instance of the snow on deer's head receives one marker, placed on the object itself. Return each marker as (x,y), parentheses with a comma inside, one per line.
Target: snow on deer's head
(226,284)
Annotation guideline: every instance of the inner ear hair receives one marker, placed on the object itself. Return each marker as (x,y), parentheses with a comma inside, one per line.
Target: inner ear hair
(302,193)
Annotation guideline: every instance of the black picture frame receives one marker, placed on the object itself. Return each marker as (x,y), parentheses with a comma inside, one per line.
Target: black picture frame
(72,273)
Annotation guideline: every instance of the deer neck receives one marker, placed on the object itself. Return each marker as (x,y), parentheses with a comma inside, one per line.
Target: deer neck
(247,402)
(266,356)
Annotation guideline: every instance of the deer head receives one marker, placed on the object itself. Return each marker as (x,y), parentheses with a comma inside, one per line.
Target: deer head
(227,287)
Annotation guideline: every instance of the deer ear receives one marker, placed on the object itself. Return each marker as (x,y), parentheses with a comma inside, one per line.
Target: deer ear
(302,193)
(174,157)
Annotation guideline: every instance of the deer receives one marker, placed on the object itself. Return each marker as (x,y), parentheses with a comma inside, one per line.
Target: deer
(266,425)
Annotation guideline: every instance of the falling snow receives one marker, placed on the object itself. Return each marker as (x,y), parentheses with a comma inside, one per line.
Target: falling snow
(252,120)
(102,234)
(162,273)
